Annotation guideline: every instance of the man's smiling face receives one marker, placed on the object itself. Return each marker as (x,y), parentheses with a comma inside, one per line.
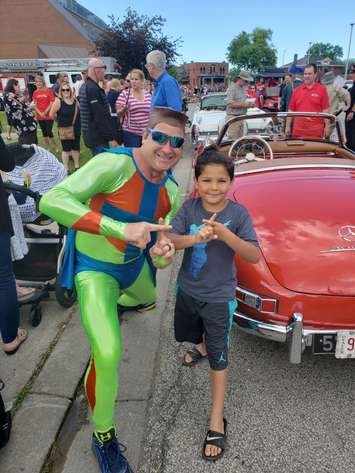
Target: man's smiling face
(161,157)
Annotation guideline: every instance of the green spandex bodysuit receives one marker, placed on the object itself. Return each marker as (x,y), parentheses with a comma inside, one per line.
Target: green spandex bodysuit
(107,268)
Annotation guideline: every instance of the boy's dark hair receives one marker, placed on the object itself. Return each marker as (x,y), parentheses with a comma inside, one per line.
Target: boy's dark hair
(212,156)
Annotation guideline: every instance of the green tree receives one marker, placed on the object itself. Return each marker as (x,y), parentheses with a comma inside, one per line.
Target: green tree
(129,40)
(252,51)
(174,71)
(326,50)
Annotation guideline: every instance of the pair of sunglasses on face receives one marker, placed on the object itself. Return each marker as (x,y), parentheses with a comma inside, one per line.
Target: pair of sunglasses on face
(162,138)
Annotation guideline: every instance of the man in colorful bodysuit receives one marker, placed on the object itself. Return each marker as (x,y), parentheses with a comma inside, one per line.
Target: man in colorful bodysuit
(111,206)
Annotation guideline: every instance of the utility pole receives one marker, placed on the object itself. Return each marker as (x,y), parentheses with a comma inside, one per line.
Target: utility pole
(309,54)
(347,59)
(283,56)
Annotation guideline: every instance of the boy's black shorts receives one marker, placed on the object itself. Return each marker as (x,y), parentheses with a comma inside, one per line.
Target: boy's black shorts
(193,318)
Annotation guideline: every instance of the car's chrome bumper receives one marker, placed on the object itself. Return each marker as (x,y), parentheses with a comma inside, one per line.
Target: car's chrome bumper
(293,334)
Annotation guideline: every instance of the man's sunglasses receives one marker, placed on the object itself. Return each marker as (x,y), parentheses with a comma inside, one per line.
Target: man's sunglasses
(101,67)
(162,138)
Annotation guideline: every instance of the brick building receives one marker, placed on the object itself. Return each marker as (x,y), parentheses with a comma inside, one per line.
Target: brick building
(211,74)
(47,29)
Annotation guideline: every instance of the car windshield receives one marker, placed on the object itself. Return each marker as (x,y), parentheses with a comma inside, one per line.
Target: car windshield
(211,102)
(281,126)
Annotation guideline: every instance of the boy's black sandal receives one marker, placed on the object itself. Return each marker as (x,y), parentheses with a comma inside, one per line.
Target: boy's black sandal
(217,439)
(195,355)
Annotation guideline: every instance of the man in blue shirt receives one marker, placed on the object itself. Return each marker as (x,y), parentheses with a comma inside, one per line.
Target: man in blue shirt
(166,89)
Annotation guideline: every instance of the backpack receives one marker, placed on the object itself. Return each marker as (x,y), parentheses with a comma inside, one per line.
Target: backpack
(5,420)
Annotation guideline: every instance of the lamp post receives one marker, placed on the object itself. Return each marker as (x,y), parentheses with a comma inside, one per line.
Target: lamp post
(347,59)
(283,56)
(309,54)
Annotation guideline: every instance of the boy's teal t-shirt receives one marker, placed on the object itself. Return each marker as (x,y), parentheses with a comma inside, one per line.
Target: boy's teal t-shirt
(208,271)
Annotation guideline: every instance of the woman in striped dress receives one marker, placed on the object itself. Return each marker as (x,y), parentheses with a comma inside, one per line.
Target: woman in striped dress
(133,106)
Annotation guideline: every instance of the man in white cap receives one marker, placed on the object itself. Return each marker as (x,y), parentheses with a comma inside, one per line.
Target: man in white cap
(237,103)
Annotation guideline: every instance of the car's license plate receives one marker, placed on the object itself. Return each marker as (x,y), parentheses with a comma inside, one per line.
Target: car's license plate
(324,344)
(345,345)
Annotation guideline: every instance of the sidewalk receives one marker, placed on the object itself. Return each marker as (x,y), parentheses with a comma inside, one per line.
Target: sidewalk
(51,431)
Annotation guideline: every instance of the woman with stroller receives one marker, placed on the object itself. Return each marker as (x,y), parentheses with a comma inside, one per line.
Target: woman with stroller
(11,334)
(19,113)
(133,106)
(66,109)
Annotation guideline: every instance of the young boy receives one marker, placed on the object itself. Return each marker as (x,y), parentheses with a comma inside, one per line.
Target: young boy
(212,229)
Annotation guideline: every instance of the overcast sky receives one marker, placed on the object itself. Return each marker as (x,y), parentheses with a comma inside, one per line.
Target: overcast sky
(207,27)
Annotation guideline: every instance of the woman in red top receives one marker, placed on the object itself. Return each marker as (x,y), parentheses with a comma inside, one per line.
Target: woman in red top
(43,99)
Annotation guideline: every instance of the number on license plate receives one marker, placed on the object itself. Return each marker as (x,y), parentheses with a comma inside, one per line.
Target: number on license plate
(345,346)
(324,344)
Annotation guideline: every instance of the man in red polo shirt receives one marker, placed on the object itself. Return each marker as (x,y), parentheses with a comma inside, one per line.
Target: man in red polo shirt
(308,97)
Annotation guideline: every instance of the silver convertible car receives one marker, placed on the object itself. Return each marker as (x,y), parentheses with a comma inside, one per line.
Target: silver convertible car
(210,117)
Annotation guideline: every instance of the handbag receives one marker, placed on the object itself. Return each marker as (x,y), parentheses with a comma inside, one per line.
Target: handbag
(124,115)
(67,132)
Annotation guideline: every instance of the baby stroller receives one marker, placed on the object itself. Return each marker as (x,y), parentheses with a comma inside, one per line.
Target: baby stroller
(42,265)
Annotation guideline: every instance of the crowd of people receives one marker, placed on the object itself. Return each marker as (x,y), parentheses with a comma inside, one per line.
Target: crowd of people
(294,94)
(82,109)
(122,212)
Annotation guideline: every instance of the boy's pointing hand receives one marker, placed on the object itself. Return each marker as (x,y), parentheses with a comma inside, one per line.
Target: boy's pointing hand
(206,232)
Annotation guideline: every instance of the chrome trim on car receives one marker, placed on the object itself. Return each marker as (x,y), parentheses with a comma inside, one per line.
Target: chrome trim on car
(294,166)
(296,342)
(260,297)
(274,332)
(265,115)
(293,334)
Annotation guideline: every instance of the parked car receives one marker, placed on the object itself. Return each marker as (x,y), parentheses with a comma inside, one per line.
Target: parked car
(300,193)
(210,111)
(210,117)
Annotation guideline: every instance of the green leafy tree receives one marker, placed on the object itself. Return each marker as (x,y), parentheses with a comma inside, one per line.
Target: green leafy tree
(252,51)
(129,40)
(174,71)
(326,50)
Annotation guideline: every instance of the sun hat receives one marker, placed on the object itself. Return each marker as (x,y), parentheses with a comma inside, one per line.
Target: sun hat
(245,76)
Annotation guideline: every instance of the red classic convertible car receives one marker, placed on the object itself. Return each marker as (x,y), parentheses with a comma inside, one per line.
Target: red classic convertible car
(300,193)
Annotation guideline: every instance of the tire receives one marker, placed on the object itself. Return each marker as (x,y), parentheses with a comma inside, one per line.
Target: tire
(65,297)
(36,316)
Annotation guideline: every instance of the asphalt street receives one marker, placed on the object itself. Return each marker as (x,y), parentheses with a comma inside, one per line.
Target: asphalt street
(282,418)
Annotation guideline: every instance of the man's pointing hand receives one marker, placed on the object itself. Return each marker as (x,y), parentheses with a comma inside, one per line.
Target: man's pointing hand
(138,234)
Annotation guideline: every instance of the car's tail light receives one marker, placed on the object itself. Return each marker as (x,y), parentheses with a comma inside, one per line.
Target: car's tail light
(259,302)
(193,133)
